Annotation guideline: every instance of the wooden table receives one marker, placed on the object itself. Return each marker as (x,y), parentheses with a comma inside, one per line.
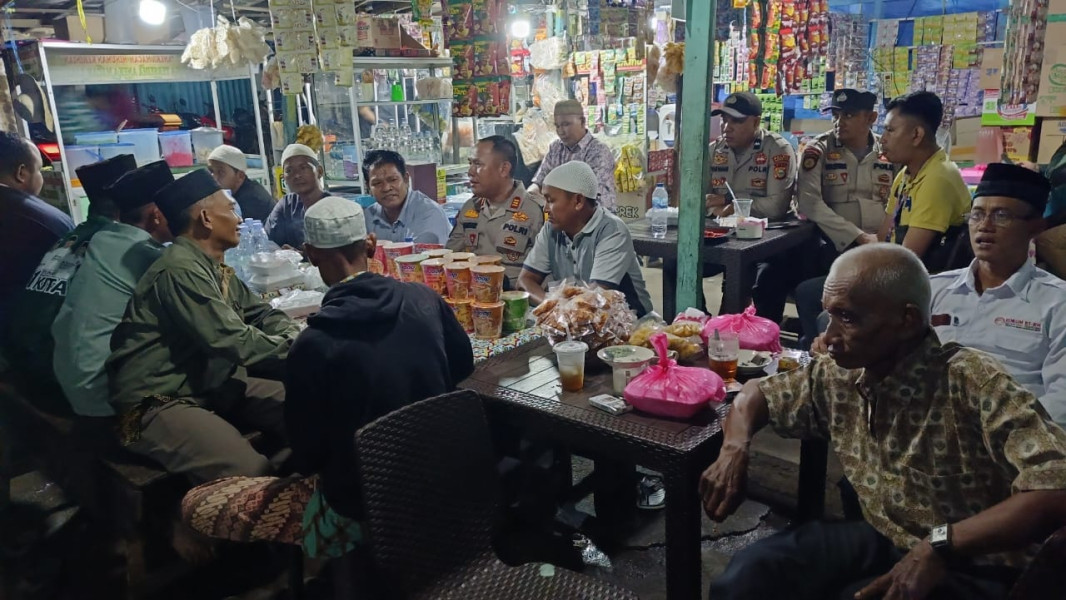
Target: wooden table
(737,256)
(521,386)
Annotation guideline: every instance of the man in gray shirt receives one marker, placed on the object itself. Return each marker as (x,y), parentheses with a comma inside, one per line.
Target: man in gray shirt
(585,241)
(401,211)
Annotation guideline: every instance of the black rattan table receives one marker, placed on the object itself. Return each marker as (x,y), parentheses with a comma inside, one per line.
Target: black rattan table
(522,387)
(736,255)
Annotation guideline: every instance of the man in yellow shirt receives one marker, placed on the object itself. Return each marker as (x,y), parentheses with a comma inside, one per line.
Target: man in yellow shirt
(928,201)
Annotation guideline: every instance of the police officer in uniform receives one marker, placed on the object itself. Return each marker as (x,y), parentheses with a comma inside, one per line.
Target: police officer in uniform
(501,218)
(758,164)
(844,183)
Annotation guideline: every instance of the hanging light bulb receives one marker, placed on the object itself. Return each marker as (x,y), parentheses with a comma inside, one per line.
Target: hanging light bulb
(520,28)
(153,12)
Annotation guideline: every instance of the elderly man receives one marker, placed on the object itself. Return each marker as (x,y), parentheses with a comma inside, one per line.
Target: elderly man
(576,143)
(402,213)
(367,324)
(29,340)
(585,241)
(501,217)
(229,166)
(176,370)
(29,227)
(928,197)
(958,469)
(303,174)
(1001,303)
(120,253)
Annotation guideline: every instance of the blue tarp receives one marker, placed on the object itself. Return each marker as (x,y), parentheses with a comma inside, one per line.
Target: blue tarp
(903,9)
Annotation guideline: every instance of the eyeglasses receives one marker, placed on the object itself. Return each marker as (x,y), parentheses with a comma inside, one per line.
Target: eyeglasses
(1000,217)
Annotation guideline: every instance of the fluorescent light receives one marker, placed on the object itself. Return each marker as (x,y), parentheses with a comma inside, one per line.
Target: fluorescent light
(153,12)
(520,28)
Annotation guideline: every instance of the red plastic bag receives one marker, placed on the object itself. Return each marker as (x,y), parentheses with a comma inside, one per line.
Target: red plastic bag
(668,390)
(754,333)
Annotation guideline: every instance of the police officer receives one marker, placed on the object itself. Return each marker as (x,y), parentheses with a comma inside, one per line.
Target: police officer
(844,182)
(758,164)
(501,218)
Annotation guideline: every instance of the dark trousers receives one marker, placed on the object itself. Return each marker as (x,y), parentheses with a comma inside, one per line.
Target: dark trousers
(820,561)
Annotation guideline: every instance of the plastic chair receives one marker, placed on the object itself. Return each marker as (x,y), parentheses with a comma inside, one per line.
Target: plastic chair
(430,494)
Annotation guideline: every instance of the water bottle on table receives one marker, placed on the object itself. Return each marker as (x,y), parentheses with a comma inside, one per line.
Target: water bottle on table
(658,216)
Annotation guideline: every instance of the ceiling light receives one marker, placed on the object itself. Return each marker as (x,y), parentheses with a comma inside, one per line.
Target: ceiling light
(153,12)
(520,28)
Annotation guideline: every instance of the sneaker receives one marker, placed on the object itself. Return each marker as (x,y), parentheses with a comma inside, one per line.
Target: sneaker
(651,494)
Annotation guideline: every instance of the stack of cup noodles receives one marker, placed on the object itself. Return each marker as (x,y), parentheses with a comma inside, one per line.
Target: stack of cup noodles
(486,283)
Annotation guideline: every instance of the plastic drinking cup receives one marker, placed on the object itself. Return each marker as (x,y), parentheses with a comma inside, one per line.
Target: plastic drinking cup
(570,356)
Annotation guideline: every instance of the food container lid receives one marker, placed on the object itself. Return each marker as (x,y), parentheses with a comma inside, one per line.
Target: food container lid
(571,347)
(514,295)
(625,355)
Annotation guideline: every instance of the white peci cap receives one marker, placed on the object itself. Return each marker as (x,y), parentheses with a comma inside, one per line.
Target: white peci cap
(231,156)
(575,177)
(298,150)
(333,222)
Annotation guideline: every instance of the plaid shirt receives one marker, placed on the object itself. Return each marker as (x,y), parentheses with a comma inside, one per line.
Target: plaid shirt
(943,437)
(590,151)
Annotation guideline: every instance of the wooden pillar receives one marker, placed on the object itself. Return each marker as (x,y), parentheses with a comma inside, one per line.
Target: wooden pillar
(693,159)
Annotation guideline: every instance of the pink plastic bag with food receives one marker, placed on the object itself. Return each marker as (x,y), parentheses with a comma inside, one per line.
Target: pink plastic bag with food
(754,333)
(667,390)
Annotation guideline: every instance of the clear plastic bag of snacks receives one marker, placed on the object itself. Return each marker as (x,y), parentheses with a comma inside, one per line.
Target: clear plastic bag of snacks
(593,315)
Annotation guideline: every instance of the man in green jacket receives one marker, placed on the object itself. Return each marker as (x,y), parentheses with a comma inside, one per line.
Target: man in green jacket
(176,373)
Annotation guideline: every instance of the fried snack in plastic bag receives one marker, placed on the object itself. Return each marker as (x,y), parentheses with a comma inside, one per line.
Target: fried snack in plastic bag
(684,336)
(596,316)
(629,169)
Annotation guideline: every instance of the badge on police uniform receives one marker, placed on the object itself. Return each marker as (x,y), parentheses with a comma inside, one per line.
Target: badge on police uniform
(810,158)
(471,214)
(520,217)
(718,182)
(760,158)
(884,178)
(758,184)
(834,156)
(780,172)
(516,202)
(473,239)
(830,176)
(720,159)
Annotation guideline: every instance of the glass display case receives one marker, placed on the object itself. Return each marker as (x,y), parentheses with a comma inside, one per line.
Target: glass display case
(386,108)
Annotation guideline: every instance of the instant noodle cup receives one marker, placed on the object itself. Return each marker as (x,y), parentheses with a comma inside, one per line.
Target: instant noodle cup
(377,264)
(462,257)
(410,267)
(491,259)
(464,312)
(457,279)
(515,309)
(486,282)
(433,275)
(488,320)
(422,248)
(438,253)
(395,250)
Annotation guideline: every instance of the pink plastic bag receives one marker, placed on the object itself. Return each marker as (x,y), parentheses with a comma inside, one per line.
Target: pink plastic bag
(668,390)
(754,333)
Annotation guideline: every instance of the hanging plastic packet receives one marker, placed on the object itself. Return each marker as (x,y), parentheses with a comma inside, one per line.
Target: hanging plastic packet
(590,554)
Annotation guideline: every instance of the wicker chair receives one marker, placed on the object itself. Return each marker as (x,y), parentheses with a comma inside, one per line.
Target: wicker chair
(429,487)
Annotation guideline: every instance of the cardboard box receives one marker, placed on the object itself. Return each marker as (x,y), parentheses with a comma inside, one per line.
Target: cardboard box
(964,139)
(1052,135)
(1051,95)
(69,28)
(1018,143)
(386,32)
(631,206)
(991,67)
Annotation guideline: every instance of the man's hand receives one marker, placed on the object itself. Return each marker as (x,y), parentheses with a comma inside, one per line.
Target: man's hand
(818,346)
(722,211)
(913,577)
(725,482)
(714,201)
(866,238)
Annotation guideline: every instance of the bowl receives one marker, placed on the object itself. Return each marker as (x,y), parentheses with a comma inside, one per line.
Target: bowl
(752,363)
(627,362)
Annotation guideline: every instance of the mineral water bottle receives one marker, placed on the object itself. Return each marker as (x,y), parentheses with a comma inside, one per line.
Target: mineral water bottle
(659,215)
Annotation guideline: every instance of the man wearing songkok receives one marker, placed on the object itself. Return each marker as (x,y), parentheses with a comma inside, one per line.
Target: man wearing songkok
(577,143)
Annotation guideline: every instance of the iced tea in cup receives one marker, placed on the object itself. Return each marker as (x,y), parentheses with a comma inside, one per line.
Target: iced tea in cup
(742,206)
(723,349)
(570,357)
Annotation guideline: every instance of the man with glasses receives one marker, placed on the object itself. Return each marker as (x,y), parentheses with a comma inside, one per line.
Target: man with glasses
(401,213)
(844,181)
(501,218)
(1001,303)
(303,174)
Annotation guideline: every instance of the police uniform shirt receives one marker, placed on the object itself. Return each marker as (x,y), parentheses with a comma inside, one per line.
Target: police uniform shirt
(508,230)
(765,172)
(841,193)
(1022,323)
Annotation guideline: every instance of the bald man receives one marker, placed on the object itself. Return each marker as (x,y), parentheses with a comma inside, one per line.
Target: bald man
(957,468)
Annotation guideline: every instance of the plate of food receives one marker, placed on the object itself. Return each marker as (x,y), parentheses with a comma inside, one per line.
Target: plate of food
(752,363)
(712,233)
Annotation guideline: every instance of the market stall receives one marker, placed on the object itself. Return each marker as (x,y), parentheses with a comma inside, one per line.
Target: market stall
(111,99)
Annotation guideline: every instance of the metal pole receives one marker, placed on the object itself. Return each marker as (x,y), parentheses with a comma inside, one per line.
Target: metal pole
(694,140)
(252,72)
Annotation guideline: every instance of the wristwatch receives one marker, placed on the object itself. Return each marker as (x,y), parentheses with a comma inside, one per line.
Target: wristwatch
(940,540)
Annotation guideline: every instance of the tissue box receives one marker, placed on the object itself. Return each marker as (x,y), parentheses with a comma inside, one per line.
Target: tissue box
(750,228)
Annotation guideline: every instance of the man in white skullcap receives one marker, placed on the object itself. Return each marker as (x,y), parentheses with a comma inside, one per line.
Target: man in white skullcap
(303,177)
(585,241)
(376,345)
(229,166)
